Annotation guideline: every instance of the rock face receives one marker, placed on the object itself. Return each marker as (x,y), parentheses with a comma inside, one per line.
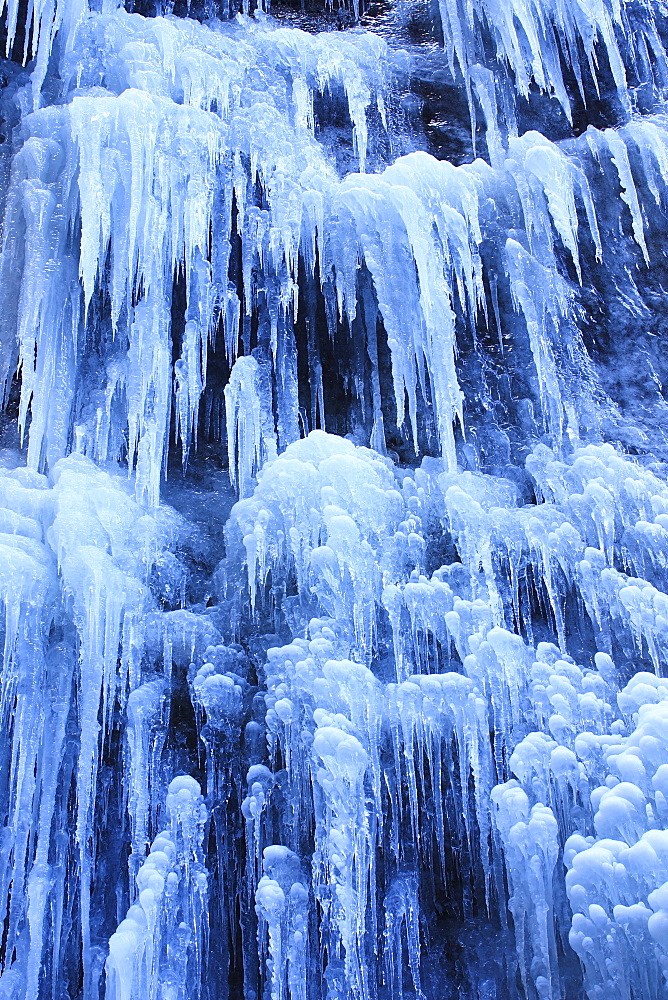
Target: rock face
(334,501)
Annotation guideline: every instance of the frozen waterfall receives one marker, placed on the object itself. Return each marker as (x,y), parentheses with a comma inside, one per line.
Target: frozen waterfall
(334,500)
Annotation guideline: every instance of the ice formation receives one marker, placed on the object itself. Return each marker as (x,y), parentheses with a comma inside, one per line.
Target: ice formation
(334,501)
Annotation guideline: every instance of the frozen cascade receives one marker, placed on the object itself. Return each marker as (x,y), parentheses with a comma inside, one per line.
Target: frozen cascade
(334,500)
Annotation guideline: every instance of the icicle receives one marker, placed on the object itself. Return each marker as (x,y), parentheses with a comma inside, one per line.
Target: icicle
(251,439)
(483,80)
(341,859)
(145,721)
(531,847)
(157,949)
(543,308)
(620,158)
(282,902)
(402,912)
